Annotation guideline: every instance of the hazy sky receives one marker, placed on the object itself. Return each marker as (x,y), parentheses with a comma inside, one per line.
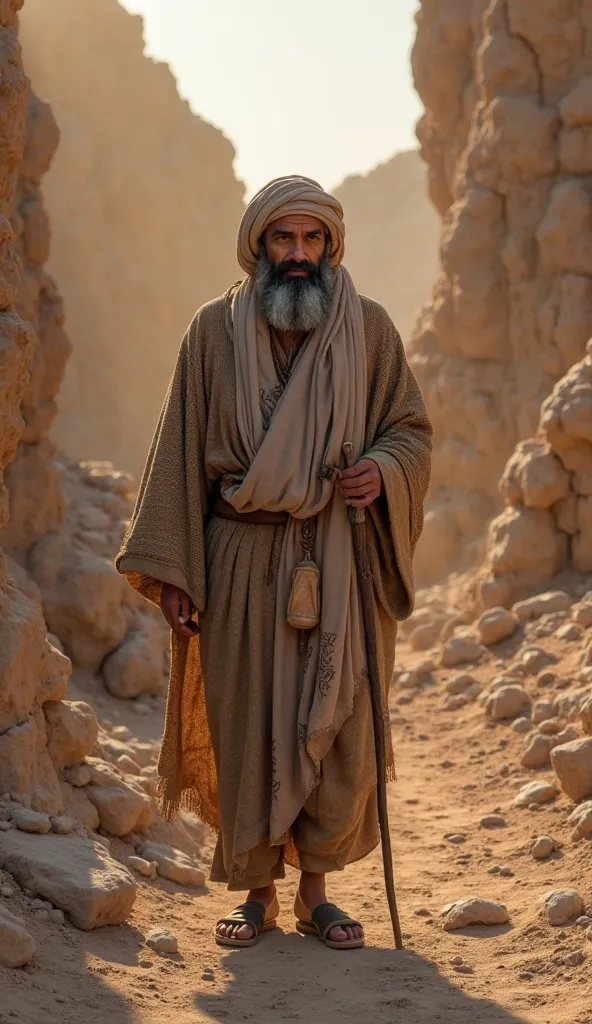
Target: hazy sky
(315,87)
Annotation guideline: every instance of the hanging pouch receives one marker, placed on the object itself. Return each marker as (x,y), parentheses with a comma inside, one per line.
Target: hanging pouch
(304,605)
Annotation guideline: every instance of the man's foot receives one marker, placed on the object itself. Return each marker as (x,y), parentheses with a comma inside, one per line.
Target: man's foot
(312,894)
(244,932)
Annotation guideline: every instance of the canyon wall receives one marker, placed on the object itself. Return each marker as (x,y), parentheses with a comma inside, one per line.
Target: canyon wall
(507,135)
(392,236)
(145,207)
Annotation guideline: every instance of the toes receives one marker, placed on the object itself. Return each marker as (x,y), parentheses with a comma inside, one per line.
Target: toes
(244,932)
(338,934)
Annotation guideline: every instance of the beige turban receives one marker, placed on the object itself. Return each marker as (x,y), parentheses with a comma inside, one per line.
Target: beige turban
(279,198)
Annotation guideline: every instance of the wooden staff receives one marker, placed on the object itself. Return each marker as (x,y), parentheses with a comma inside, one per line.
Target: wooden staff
(357,518)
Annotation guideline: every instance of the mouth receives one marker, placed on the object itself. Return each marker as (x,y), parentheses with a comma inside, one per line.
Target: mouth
(296,273)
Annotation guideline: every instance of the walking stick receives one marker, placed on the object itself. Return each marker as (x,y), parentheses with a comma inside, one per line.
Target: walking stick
(357,518)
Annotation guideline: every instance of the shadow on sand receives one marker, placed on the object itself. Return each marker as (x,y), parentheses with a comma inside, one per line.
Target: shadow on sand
(287,977)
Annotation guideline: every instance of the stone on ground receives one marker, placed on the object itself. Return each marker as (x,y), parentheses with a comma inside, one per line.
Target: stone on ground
(535,793)
(460,650)
(162,941)
(495,625)
(542,847)
(72,731)
(17,945)
(522,725)
(30,821)
(572,763)
(492,821)
(561,905)
(581,820)
(507,702)
(78,775)
(146,868)
(543,604)
(537,752)
(464,913)
(62,825)
(76,875)
(122,808)
(542,710)
(172,864)
(586,716)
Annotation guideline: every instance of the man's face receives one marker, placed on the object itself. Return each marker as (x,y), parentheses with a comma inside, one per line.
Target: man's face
(293,242)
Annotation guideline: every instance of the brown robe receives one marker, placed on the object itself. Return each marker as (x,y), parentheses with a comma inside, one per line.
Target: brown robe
(217,754)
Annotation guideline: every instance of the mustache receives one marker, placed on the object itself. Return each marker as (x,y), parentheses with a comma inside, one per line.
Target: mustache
(286,265)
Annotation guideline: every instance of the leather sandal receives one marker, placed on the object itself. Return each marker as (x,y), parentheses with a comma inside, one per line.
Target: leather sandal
(322,920)
(253,913)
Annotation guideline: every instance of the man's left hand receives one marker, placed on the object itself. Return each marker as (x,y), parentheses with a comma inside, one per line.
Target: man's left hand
(361,484)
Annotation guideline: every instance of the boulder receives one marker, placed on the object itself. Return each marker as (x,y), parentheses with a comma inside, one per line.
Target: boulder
(78,806)
(172,864)
(561,905)
(537,752)
(17,945)
(72,731)
(507,702)
(76,875)
(535,793)
(464,913)
(543,604)
(581,820)
(460,650)
(495,625)
(572,763)
(122,809)
(25,766)
(30,821)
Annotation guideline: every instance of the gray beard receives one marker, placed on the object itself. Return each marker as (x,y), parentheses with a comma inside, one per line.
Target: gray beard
(294,303)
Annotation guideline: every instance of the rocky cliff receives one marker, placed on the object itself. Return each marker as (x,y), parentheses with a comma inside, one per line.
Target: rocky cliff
(507,87)
(392,236)
(144,204)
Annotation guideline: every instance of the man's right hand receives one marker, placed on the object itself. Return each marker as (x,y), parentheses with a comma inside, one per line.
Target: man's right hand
(175,605)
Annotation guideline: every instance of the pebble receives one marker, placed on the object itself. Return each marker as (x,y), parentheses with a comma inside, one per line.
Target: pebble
(41,915)
(494,869)
(463,969)
(5,890)
(584,921)
(57,916)
(146,868)
(456,961)
(522,725)
(542,847)
(30,821)
(457,838)
(492,821)
(506,872)
(574,959)
(5,826)
(121,732)
(140,709)
(38,904)
(162,941)
(561,905)
(62,825)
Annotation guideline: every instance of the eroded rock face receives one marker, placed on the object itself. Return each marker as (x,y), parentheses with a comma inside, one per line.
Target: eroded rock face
(507,135)
(122,228)
(547,486)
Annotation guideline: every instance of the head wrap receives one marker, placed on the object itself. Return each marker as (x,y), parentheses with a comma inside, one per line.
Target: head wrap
(284,196)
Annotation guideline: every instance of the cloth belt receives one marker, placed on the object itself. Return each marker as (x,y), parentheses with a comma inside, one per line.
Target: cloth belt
(224,510)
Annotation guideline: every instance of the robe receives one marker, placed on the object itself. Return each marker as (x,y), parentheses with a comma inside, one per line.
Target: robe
(217,751)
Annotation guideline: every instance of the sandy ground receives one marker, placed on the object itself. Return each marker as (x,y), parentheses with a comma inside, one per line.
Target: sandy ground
(452,768)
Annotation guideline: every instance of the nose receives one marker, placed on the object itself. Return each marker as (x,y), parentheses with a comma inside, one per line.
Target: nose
(298,252)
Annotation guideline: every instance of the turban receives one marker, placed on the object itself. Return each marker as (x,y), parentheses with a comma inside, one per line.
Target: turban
(280,198)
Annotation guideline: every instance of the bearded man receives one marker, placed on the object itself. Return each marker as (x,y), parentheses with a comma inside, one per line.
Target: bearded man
(242,509)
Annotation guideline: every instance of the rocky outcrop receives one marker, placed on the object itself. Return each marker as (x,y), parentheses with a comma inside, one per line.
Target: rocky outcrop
(507,137)
(149,237)
(392,236)
(546,525)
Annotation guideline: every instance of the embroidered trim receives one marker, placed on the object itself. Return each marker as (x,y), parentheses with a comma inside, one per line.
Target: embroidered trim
(326,673)
(268,401)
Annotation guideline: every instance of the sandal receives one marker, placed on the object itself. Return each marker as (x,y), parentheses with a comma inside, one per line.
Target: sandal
(322,920)
(253,913)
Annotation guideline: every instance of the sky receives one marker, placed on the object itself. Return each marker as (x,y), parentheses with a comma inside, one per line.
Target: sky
(315,87)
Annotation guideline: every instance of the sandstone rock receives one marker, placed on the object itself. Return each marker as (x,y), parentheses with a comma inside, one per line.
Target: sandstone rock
(572,763)
(561,905)
(492,821)
(78,806)
(542,847)
(522,725)
(146,868)
(408,680)
(460,650)
(77,775)
(550,727)
(425,636)
(458,684)
(496,625)
(566,735)
(582,613)
(122,808)
(76,875)
(17,945)
(534,659)
(507,702)
(30,821)
(172,864)
(25,766)
(72,731)
(162,941)
(535,793)
(137,665)
(62,825)
(543,604)
(581,820)
(542,711)
(537,752)
(465,913)
(586,716)
(128,765)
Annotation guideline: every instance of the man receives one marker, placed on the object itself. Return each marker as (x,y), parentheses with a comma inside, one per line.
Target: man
(241,511)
